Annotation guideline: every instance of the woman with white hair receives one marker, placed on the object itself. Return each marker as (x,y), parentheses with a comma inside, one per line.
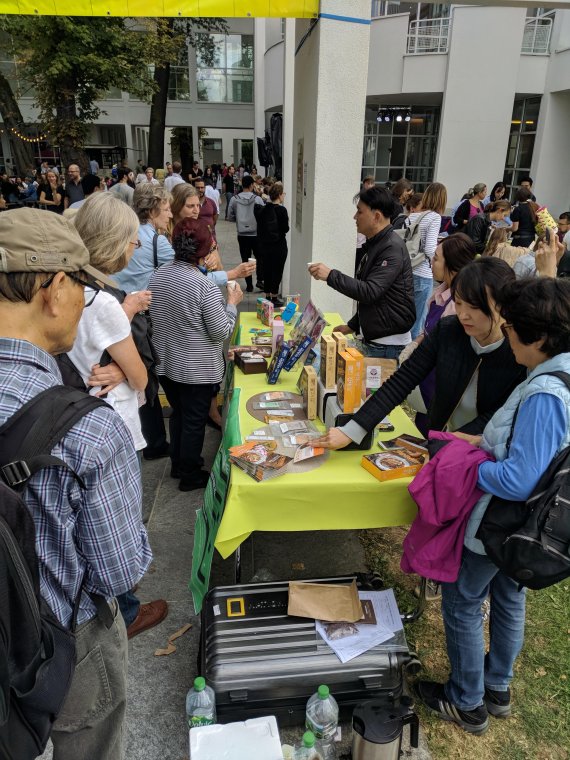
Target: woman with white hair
(109,229)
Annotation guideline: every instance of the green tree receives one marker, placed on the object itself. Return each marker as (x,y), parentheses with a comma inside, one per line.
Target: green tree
(72,62)
(172,35)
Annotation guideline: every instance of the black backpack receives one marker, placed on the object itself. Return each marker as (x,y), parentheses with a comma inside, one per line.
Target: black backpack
(37,654)
(530,540)
(267,223)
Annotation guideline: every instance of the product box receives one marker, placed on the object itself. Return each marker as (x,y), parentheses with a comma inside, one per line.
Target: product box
(282,351)
(308,387)
(298,348)
(234,351)
(267,310)
(348,393)
(341,341)
(328,361)
(401,457)
(376,372)
(251,363)
(258,303)
(358,374)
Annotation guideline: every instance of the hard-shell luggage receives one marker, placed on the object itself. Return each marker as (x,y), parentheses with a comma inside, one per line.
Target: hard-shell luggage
(260,661)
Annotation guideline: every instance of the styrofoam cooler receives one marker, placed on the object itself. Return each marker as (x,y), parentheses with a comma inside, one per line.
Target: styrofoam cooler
(255,739)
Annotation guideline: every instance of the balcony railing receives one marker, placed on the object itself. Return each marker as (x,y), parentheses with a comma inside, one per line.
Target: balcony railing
(428,35)
(385,8)
(536,38)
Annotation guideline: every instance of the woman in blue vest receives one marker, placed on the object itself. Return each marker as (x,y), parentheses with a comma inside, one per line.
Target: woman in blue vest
(537,325)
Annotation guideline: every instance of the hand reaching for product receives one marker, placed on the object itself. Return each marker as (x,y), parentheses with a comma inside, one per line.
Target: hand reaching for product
(333,439)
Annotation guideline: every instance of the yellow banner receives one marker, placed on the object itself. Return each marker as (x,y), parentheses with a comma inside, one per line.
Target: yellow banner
(177,8)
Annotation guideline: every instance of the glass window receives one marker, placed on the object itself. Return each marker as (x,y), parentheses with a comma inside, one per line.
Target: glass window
(524,123)
(178,83)
(369,154)
(421,151)
(526,146)
(383,152)
(531,109)
(398,151)
(230,79)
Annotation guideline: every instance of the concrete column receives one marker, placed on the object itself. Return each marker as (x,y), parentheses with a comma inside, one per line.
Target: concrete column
(258,84)
(477,107)
(331,68)
(551,175)
(288,110)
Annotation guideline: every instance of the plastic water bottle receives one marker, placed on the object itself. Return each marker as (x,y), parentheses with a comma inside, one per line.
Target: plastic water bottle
(309,749)
(200,704)
(322,719)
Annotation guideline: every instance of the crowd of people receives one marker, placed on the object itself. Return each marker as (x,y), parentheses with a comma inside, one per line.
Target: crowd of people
(123,295)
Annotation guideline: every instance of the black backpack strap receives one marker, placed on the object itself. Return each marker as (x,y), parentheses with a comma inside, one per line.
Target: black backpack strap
(155,250)
(564,376)
(28,437)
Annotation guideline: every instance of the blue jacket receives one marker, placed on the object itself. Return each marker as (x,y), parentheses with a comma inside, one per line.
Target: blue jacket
(542,430)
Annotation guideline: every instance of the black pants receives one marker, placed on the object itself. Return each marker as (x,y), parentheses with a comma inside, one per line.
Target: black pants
(152,424)
(247,249)
(274,257)
(190,410)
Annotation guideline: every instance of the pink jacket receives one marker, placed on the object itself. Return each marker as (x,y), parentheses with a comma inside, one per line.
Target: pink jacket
(445,490)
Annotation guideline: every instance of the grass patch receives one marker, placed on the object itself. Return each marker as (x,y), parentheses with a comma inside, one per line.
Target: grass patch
(540,726)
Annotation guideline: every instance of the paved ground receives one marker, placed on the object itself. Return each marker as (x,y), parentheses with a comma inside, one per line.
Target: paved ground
(156,727)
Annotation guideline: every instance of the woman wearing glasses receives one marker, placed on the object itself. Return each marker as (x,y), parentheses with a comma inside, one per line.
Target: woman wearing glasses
(537,415)
(475,370)
(109,229)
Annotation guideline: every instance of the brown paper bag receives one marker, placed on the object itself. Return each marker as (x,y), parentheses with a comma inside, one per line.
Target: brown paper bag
(333,603)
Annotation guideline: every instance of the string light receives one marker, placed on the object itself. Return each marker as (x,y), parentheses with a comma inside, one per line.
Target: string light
(25,138)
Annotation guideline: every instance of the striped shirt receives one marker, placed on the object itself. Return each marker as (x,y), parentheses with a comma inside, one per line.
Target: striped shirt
(96,532)
(190,321)
(430,224)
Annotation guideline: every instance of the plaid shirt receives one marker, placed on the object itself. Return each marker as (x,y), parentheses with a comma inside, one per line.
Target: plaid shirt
(96,533)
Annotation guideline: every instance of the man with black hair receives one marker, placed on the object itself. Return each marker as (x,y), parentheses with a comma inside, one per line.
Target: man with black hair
(383,287)
(527,183)
(121,188)
(240,211)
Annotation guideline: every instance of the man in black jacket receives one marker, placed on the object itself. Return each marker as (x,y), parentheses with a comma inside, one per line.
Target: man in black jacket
(383,287)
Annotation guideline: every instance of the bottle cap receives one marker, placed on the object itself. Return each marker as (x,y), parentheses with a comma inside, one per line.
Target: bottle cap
(200,683)
(323,692)
(308,739)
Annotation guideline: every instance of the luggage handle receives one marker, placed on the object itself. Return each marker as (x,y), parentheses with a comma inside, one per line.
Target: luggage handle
(371,681)
(238,696)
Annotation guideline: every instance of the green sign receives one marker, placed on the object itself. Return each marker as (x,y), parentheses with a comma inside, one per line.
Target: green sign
(208,518)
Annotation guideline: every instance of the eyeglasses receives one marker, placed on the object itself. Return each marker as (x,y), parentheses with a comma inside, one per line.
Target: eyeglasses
(72,276)
(505,329)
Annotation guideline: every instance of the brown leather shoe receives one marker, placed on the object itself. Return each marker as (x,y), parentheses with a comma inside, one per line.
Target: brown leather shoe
(149,615)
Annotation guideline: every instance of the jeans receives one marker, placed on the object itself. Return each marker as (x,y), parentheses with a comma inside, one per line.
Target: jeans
(381,351)
(129,606)
(423,288)
(91,723)
(190,411)
(229,196)
(471,669)
(248,248)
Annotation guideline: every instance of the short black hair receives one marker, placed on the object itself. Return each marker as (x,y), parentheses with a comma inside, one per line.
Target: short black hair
(247,181)
(122,173)
(481,279)
(90,183)
(539,308)
(379,199)
(526,179)
(565,215)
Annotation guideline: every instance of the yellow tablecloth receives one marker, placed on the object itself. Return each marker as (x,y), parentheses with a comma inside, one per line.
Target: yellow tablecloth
(339,495)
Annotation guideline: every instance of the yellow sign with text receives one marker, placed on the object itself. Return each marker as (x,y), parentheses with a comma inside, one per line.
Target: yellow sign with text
(176,8)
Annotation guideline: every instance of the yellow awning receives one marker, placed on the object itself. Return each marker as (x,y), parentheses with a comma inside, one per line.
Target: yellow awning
(178,8)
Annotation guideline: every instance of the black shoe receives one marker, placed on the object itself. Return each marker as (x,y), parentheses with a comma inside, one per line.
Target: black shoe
(277,302)
(249,289)
(199,480)
(498,703)
(161,453)
(175,473)
(434,698)
(260,285)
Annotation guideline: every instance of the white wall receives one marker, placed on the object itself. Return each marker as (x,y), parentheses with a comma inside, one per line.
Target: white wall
(531,75)
(424,73)
(273,73)
(388,40)
(477,107)
(330,95)
(550,166)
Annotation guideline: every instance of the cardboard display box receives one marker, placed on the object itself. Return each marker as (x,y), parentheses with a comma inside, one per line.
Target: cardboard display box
(348,393)
(327,369)
(308,386)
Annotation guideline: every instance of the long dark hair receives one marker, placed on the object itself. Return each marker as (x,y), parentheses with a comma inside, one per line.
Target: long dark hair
(496,187)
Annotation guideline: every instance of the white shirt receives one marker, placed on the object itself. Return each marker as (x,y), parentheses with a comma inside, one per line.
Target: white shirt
(566,240)
(172,181)
(213,195)
(102,324)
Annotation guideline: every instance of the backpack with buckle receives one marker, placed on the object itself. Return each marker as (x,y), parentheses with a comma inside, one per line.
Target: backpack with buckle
(530,540)
(37,653)
(411,235)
